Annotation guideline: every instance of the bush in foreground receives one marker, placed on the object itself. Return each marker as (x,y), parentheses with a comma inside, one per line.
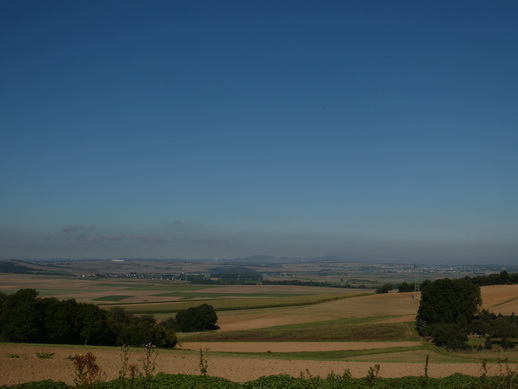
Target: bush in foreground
(333,381)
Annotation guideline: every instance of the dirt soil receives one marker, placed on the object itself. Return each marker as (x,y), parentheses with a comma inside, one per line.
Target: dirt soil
(19,363)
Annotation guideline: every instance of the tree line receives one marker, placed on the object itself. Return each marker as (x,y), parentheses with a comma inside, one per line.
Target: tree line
(323,284)
(502,278)
(25,317)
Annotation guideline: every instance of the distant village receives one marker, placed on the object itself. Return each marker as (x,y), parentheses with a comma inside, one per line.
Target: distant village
(233,272)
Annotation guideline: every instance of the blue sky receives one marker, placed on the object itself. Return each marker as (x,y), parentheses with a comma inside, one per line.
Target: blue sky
(372,130)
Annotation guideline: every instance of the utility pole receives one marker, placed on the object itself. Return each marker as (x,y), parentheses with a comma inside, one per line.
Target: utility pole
(415,295)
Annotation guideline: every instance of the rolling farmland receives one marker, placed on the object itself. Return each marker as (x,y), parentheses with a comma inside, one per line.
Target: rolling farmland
(264,329)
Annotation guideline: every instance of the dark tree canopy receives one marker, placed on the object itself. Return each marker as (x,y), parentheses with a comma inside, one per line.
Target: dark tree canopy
(449,301)
(21,316)
(24,317)
(385,288)
(502,278)
(447,309)
(201,318)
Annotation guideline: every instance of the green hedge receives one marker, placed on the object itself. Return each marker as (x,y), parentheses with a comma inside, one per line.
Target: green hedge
(283,381)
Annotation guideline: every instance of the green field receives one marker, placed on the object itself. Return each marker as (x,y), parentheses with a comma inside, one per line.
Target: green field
(200,295)
(352,330)
(112,298)
(228,304)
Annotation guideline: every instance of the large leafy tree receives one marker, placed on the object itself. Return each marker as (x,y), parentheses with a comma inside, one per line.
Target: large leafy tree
(94,327)
(61,321)
(447,309)
(21,317)
(199,318)
(505,328)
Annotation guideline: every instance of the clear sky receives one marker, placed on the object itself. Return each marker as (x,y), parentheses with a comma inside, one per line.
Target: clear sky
(372,130)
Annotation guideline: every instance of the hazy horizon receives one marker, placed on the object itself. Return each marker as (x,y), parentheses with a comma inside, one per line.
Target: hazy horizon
(376,131)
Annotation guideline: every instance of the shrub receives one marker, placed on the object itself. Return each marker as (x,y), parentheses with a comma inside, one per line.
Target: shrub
(278,381)
(86,370)
(179,381)
(44,355)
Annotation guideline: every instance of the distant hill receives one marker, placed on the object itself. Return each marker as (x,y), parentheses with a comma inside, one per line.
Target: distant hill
(22,267)
(12,267)
(261,259)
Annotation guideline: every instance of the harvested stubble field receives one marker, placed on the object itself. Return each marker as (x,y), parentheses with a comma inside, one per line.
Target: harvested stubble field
(362,306)
(28,367)
(245,361)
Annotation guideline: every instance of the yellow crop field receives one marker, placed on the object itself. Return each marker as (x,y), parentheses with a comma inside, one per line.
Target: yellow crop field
(500,298)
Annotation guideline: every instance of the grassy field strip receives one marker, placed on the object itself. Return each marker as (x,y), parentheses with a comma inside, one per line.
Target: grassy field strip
(297,347)
(209,295)
(112,298)
(168,288)
(339,330)
(60,292)
(337,355)
(400,319)
(394,354)
(230,304)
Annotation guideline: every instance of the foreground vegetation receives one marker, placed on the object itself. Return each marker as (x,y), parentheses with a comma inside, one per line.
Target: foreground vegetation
(333,381)
(88,374)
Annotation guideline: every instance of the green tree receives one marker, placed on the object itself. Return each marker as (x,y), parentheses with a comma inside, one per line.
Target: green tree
(449,335)
(169,323)
(447,301)
(199,318)
(93,324)
(385,288)
(119,321)
(59,319)
(482,323)
(21,317)
(143,330)
(505,328)
(128,329)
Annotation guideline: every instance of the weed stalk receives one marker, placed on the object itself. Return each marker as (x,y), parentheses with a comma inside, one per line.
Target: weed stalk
(204,363)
